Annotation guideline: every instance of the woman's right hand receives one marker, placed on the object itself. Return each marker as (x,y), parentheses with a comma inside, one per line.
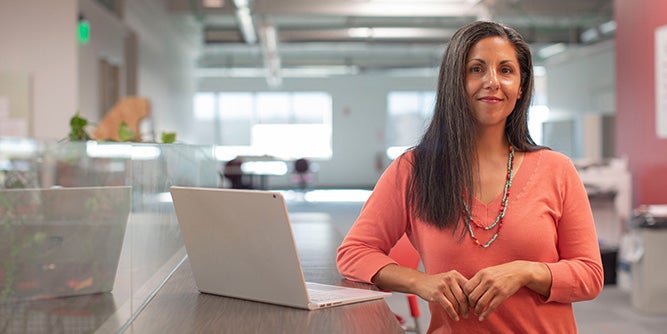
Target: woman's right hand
(445,289)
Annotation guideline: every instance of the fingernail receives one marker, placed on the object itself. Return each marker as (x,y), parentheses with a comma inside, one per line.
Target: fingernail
(481,318)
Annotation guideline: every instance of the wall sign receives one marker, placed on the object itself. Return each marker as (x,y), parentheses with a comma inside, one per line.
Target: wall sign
(661,81)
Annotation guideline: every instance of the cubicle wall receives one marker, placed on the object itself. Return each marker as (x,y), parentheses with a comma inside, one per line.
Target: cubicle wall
(152,246)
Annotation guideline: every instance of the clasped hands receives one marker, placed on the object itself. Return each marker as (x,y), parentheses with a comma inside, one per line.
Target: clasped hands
(483,292)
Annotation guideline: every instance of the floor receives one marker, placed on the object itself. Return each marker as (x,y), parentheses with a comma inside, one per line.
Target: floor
(611,312)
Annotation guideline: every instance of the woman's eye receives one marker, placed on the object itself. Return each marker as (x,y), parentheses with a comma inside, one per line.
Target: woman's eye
(475,69)
(506,70)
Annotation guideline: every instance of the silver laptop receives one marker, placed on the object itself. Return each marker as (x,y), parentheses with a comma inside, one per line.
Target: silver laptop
(58,242)
(240,244)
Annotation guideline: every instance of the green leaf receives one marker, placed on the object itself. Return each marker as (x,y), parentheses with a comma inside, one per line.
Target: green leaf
(77,128)
(168,137)
(125,133)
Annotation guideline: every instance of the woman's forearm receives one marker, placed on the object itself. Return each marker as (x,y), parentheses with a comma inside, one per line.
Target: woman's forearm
(539,278)
(397,278)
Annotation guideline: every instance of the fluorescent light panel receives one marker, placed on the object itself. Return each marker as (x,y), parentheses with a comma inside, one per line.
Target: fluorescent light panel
(552,50)
(241,3)
(391,32)
(608,27)
(294,72)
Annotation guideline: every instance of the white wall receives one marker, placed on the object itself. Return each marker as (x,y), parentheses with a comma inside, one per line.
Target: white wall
(38,38)
(167,59)
(107,39)
(359,117)
(583,81)
(581,86)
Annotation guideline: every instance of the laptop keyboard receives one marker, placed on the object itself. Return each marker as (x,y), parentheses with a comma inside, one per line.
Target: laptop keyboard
(322,296)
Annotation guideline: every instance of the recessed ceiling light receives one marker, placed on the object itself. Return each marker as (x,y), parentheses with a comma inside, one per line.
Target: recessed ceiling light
(607,27)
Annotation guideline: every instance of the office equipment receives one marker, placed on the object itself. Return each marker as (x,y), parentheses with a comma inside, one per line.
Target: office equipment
(649,287)
(60,242)
(240,244)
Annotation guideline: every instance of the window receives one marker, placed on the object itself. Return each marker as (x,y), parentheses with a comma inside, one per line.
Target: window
(287,125)
(409,113)
(236,118)
(204,106)
(273,108)
(538,113)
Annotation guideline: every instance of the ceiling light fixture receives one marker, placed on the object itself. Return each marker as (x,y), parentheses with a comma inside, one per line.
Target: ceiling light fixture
(551,50)
(424,1)
(607,27)
(291,72)
(400,33)
(360,32)
(590,35)
(599,32)
(246,24)
(269,43)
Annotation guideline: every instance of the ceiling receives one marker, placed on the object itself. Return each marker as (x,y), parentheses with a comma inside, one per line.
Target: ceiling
(279,38)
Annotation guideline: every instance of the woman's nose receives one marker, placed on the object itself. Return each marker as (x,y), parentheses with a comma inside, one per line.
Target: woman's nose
(491,80)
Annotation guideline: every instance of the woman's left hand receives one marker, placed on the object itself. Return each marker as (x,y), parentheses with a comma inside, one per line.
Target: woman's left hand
(491,286)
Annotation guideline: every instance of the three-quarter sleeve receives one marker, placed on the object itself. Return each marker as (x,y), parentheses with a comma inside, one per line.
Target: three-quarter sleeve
(578,275)
(382,221)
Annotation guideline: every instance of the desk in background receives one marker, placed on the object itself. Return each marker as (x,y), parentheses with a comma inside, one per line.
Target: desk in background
(247,173)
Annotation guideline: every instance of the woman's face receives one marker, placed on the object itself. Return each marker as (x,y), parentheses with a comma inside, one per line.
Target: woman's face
(493,80)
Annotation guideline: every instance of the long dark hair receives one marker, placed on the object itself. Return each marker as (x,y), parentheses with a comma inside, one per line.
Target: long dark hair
(445,159)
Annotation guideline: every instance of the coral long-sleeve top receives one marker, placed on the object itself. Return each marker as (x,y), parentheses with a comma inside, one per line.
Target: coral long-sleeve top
(548,220)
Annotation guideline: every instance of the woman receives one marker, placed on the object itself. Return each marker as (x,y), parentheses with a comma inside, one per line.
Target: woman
(503,226)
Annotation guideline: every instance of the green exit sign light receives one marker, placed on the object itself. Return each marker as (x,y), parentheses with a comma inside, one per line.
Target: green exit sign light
(83,31)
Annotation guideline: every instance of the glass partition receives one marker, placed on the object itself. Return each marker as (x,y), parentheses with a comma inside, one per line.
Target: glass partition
(56,204)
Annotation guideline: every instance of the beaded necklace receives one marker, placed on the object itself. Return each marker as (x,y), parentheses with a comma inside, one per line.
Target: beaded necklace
(503,207)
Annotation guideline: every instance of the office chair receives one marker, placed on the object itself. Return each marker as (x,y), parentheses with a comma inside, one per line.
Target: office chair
(406,255)
(302,174)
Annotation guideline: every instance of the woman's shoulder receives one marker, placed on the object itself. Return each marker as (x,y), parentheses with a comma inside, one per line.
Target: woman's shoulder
(402,164)
(404,160)
(550,162)
(407,156)
(550,157)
